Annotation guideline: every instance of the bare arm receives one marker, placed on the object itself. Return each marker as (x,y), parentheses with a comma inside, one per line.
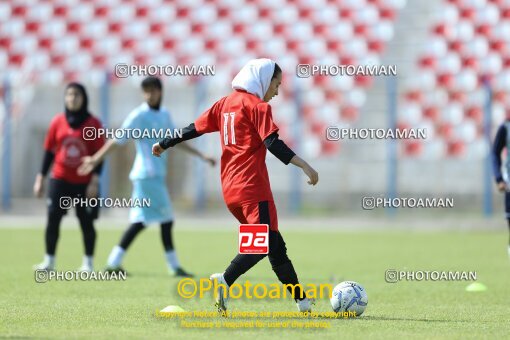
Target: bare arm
(307,169)
(193,151)
(88,163)
(281,151)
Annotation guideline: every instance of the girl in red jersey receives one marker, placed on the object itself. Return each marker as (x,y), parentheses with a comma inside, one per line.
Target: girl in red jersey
(244,120)
(65,146)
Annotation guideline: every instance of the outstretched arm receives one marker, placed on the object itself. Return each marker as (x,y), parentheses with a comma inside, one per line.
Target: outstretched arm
(188,132)
(281,151)
(89,163)
(195,152)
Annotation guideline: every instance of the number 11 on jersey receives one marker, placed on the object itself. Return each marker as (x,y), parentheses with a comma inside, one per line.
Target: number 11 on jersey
(225,127)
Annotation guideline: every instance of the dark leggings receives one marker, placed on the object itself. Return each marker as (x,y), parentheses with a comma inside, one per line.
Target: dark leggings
(134,229)
(59,189)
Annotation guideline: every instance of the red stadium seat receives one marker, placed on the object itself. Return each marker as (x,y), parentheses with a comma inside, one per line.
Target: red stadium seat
(428,62)
(470,62)
(363,81)
(349,113)
(32,27)
(70,76)
(387,13)
(455,148)
(457,96)
(142,12)
(413,148)
(484,29)
(499,46)
(115,27)
(360,29)
(197,28)
(211,44)
(305,13)
(333,96)
(317,128)
(308,112)
(157,27)
(329,147)
(183,12)
(57,59)
(101,11)
(431,112)
(505,13)
(445,80)
(60,11)
(73,27)
(319,29)
(445,130)
(100,60)
(346,13)
(86,43)
(5,43)
(19,10)
(467,13)
(16,59)
(376,46)
(45,43)
(500,96)
(455,46)
(223,12)
(414,95)
(169,43)
(334,46)
(475,113)
(128,43)
(320,80)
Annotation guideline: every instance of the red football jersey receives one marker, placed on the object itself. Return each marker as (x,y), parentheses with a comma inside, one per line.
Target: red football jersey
(244,121)
(69,147)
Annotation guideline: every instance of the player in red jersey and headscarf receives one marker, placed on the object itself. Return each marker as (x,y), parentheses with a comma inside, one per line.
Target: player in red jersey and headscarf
(65,146)
(245,122)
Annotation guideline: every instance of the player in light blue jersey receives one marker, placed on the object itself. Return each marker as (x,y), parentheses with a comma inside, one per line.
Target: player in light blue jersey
(147,174)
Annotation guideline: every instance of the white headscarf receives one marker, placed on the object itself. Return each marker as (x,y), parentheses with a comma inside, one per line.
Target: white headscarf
(255,77)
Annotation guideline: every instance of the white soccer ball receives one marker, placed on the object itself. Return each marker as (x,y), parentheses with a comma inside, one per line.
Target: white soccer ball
(349,296)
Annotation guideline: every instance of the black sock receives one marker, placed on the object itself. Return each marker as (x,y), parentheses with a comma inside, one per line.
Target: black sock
(166,235)
(52,232)
(89,233)
(130,234)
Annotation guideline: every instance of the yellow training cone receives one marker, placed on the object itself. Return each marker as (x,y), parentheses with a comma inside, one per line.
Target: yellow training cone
(172,309)
(476,287)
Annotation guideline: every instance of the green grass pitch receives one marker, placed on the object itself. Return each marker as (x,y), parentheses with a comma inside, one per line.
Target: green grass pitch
(128,309)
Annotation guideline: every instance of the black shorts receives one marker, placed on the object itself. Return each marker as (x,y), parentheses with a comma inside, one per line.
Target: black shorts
(58,193)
